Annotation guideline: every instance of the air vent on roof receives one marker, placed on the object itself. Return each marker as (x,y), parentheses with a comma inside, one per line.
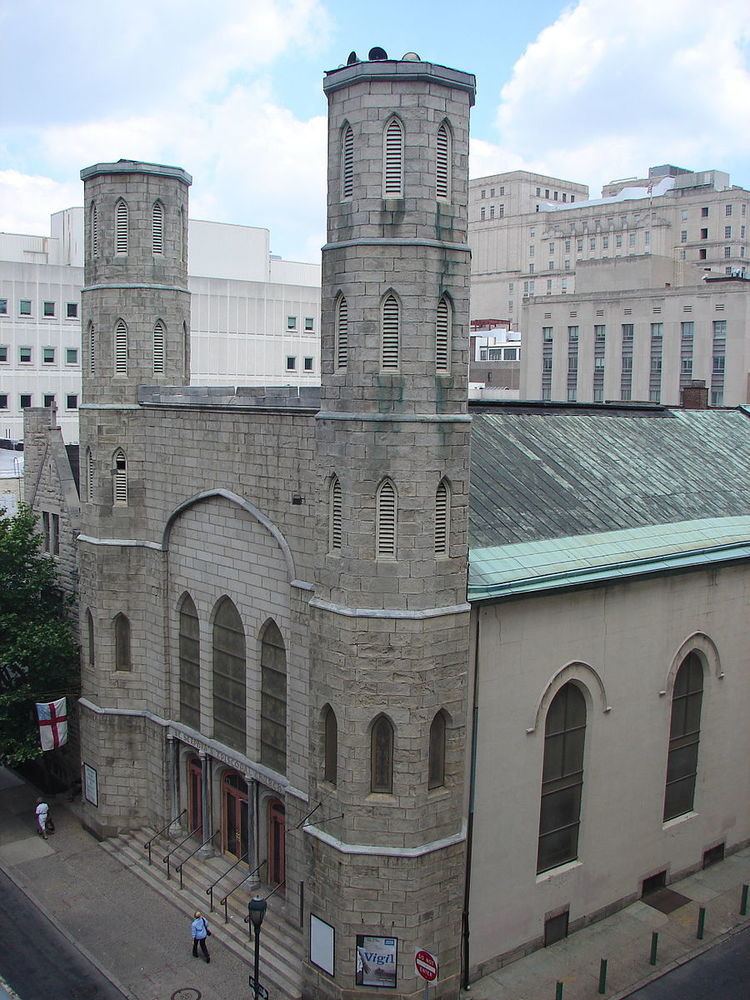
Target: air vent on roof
(376,54)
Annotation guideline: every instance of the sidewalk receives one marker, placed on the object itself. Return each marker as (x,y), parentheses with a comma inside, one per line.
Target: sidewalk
(138,939)
(624,939)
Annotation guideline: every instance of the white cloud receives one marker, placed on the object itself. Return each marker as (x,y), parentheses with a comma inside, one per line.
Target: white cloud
(28,201)
(609,89)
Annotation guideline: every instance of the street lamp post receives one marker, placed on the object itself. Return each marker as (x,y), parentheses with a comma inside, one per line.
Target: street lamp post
(256,910)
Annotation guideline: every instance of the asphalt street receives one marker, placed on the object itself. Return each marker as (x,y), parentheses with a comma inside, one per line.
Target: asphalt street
(37,961)
(723,973)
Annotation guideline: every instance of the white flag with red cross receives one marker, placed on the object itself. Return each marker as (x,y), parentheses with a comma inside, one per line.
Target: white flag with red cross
(53,723)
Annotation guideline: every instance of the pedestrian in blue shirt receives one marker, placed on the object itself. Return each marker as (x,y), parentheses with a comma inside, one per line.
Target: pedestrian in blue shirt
(200,931)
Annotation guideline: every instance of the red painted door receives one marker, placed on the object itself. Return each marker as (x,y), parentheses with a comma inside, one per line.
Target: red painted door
(276,842)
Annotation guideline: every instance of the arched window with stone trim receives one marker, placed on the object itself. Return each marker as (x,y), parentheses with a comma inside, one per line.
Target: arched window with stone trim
(273,699)
(94,229)
(90,638)
(393,159)
(334,515)
(182,238)
(436,762)
(229,676)
(443,330)
(121,227)
(386,520)
(89,480)
(190,663)
(92,348)
(341,352)
(381,755)
(157,228)
(347,161)
(123,660)
(443,159)
(330,745)
(158,352)
(684,738)
(390,333)
(121,347)
(119,479)
(562,778)
(442,518)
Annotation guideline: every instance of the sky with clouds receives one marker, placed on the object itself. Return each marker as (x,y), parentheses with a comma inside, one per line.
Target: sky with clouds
(231,91)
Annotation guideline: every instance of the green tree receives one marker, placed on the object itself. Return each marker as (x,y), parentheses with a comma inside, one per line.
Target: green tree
(38,652)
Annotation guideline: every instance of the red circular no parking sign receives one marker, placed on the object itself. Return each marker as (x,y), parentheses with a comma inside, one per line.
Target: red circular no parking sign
(426,965)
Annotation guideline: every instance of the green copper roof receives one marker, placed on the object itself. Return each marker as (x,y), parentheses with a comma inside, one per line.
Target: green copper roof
(572,496)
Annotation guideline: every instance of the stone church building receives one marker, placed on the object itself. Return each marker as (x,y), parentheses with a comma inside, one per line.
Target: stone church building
(455,678)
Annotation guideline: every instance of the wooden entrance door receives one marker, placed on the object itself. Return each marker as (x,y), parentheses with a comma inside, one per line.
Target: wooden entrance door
(276,842)
(195,797)
(234,814)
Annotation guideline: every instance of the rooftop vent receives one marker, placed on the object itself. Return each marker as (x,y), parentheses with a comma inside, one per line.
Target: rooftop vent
(353,58)
(377,54)
(410,57)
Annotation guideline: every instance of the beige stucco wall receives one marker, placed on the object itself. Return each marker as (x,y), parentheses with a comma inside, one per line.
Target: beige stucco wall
(631,637)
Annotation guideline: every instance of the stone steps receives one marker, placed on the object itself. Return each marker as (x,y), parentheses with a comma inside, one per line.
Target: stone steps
(281,943)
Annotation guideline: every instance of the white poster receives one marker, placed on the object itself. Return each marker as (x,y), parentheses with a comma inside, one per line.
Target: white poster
(90,786)
(377,959)
(322,947)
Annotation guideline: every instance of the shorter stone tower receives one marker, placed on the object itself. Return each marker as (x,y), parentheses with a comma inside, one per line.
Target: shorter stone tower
(135,308)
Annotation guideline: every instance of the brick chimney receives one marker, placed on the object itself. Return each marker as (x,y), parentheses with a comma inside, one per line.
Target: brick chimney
(695,395)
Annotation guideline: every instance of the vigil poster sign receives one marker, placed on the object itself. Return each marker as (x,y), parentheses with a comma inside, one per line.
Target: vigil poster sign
(377,961)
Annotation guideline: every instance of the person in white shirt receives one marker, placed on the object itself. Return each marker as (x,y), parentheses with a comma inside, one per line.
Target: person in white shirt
(42,811)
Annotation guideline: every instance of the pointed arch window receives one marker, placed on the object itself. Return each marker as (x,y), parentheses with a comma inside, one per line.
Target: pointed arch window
(684,738)
(123,659)
(347,162)
(342,333)
(94,219)
(386,514)
(381,756)
(334,531)
(120,479)
(157,228)
(562,778)
(92,349)
(121,227)
(443,164)
(393,159)
(186,350)
(121,348)
(90,637)
(443,324)
(89,476)
(273,699)
(159,347)
(330,745)
(390,325)
(436,765)
(442,518)
(229,672)
(190,660)
(181,237)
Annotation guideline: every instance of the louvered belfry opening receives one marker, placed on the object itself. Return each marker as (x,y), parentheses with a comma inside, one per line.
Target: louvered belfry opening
(94,232)
(442,164)
(335,516)
(342,333)
(442,526)
(347,163)
(92,349)
(157,228)
(386,520)
(443,337)
(390,323)
(89,476)
(158,347)
(120,479)
(121,348)
(393,173)
(121,227)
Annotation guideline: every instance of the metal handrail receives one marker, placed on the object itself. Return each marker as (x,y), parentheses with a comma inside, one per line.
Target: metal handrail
(182,863)
(148,843)
(223,902)
(210,890)
(166,861)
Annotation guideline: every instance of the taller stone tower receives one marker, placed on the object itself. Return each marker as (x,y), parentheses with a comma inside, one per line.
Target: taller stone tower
(389,620)
(135,326)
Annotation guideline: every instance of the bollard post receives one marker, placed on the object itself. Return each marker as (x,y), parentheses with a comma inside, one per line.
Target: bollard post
(743,904)
(654,946)
(603,975)
(559,991)
(701,922)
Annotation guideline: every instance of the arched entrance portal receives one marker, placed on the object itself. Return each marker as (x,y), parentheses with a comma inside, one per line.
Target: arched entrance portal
(195,796)
(234,814)
(276,842)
